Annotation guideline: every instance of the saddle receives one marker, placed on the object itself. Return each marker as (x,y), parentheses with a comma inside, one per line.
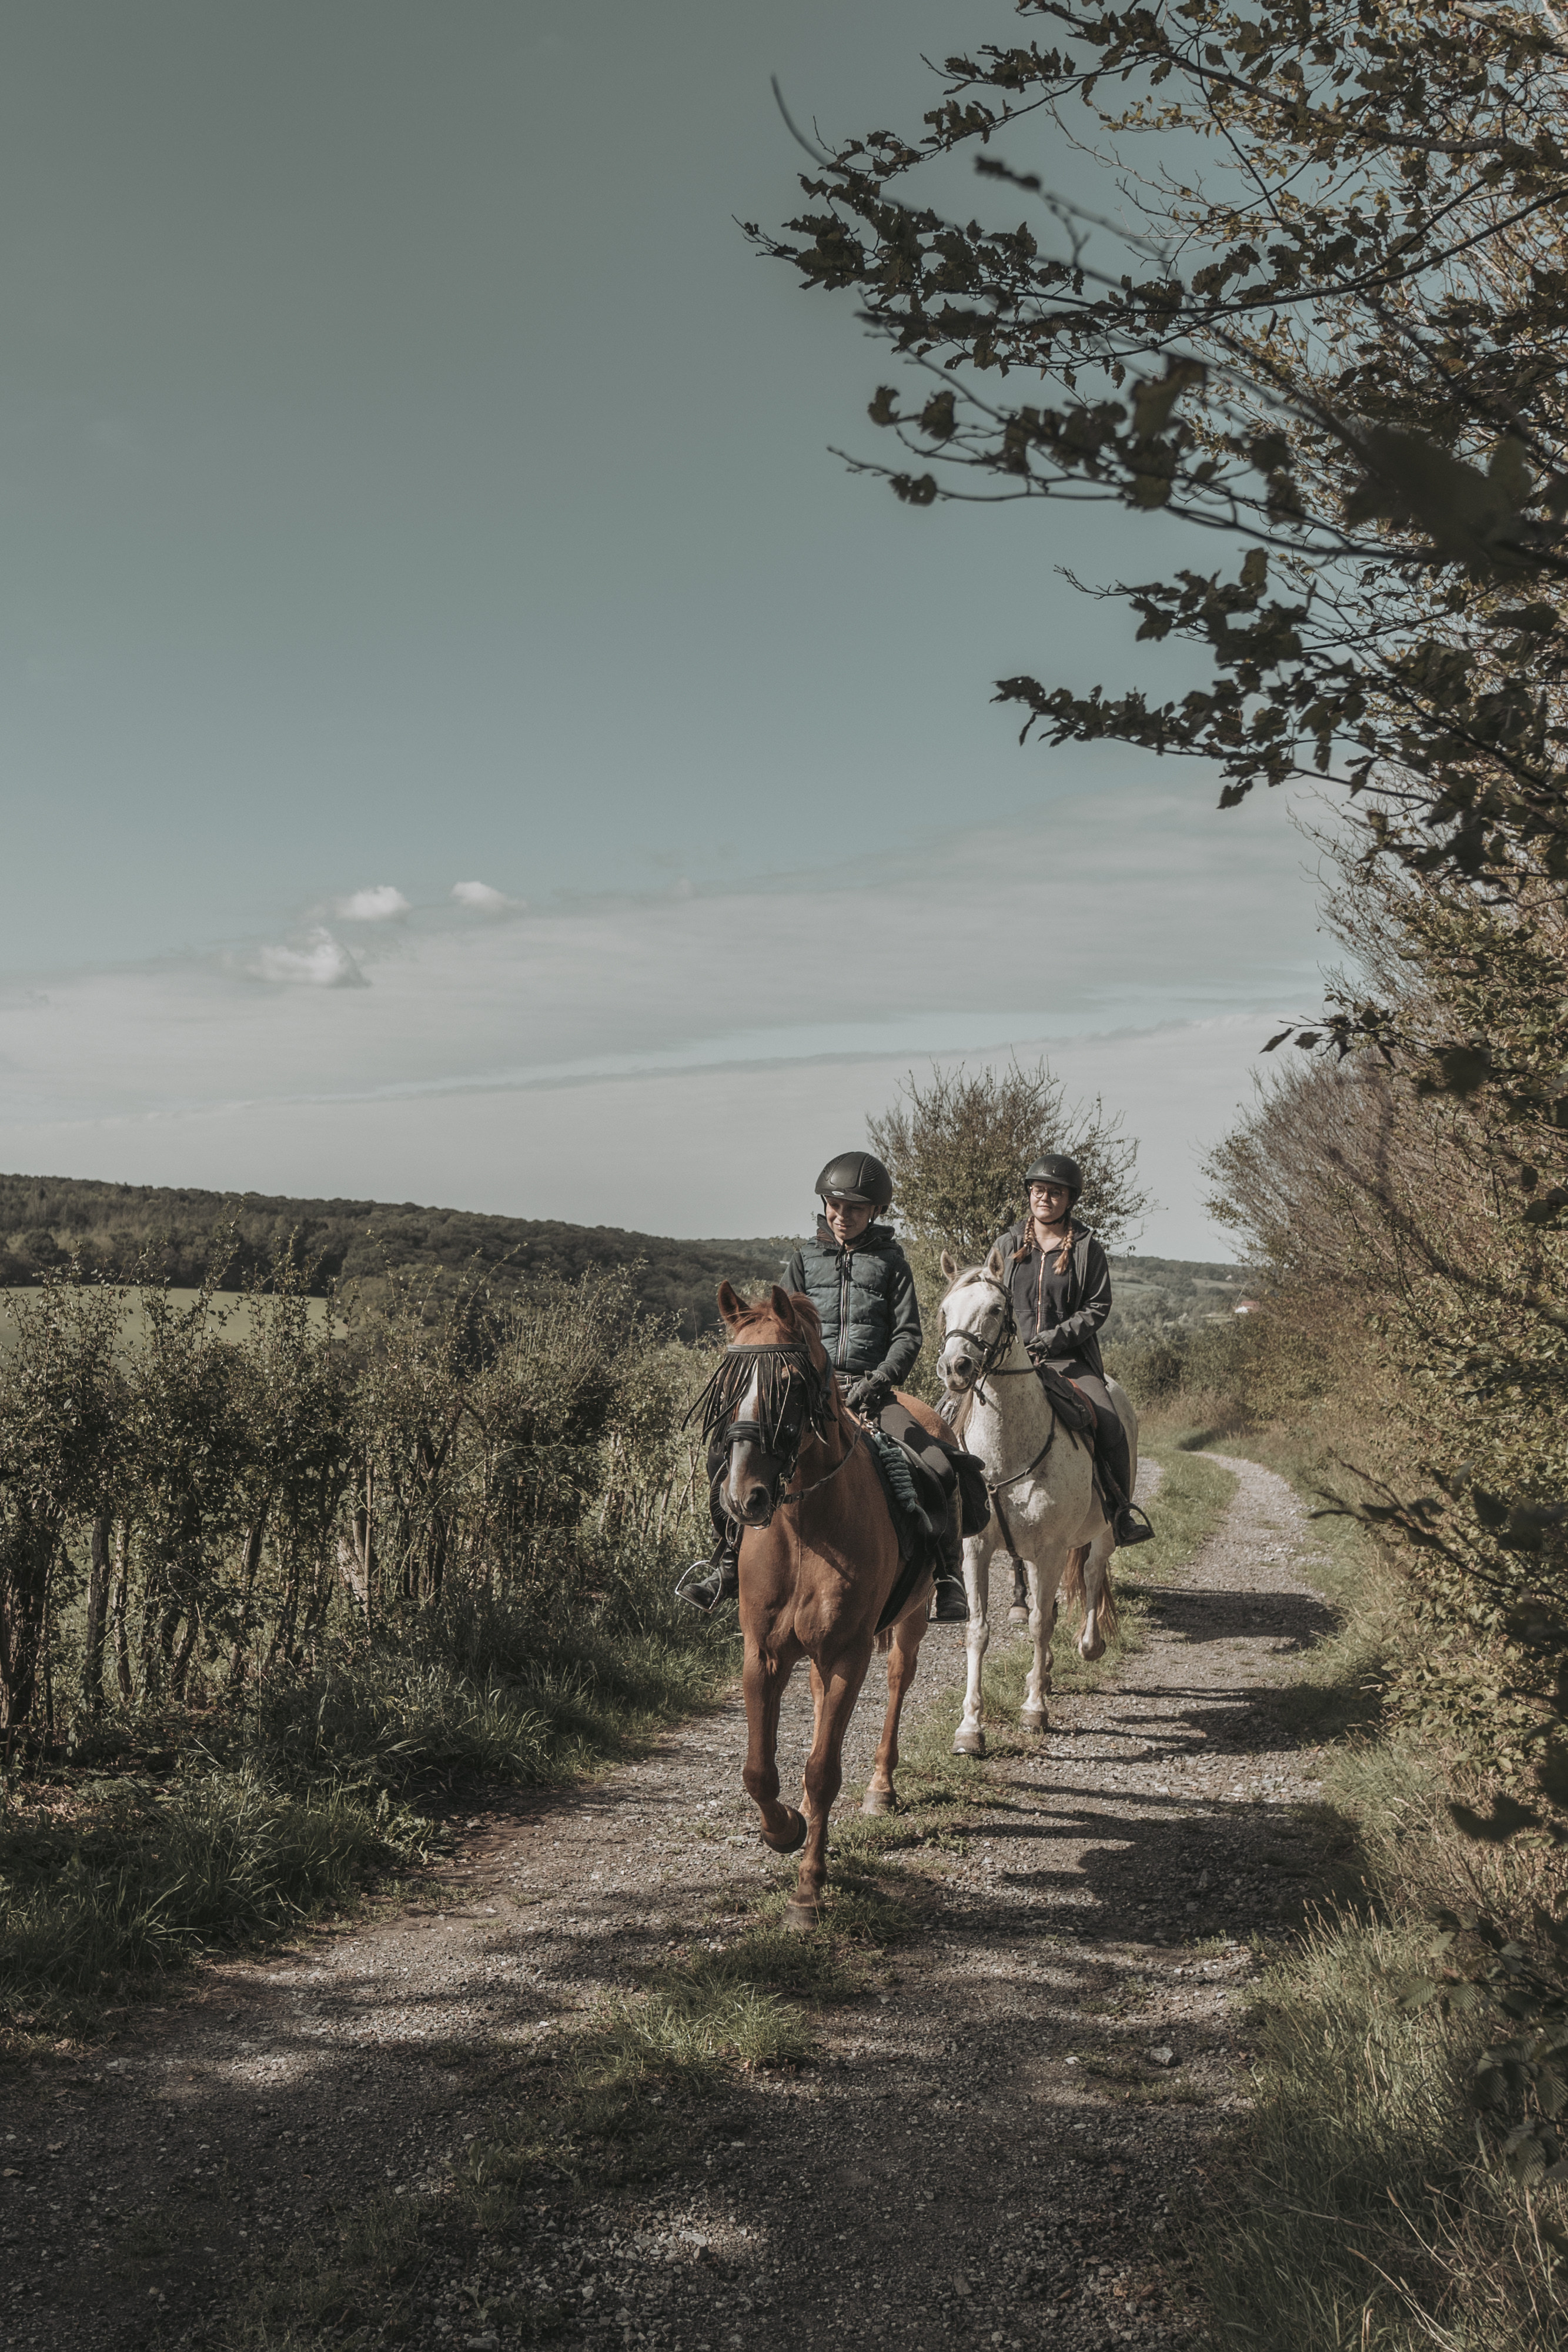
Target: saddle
(919,1477)
(939,1468)
(1070,1406)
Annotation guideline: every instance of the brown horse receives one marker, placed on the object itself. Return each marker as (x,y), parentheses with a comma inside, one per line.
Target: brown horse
(818,1561)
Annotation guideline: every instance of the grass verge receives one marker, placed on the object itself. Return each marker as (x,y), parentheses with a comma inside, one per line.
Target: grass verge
(253,1824)
(1361,2206)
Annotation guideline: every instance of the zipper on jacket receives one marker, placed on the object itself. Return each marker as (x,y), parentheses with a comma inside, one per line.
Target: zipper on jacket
(843,1305)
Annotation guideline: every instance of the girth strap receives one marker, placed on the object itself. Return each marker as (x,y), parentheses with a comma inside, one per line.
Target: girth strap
(994,1488)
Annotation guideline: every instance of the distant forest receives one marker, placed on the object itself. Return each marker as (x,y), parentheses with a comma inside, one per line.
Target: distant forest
(144,1232)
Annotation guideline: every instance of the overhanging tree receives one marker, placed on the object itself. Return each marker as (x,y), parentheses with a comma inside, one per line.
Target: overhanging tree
(1330,337)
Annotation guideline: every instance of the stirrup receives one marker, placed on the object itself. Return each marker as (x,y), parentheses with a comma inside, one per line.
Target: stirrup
(705,1584)
(1131,1525)
(949,1602)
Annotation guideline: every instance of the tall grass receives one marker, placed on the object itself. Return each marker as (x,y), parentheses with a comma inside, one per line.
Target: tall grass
(1361,2206)
(1368,2214)
(326,1781)
(86,1905)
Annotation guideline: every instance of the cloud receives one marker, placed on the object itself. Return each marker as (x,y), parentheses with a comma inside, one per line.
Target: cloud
(380,903)
(1148,949)
(482,900)
(322,962)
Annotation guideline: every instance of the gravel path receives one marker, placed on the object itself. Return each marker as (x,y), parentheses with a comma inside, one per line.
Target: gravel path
(996,2140)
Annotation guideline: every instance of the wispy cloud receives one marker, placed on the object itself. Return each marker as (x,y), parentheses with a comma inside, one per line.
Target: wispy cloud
(321,961)
(1147,957)
(481,899)
(380,902)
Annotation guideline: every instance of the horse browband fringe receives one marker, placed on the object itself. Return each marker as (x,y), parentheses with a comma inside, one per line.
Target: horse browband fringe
(773,1365)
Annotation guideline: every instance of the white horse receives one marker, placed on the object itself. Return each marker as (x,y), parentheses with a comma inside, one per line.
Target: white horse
(1042,1487)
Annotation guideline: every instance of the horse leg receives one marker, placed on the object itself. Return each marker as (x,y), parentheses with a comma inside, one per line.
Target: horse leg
(1098,1600)
(816,1727)
(1032,1714)
(762,1680)
(825,1776)
(903,1658)
(969,1740)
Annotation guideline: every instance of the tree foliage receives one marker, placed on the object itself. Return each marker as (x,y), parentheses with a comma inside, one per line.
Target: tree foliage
(957,1145)
(1327,332)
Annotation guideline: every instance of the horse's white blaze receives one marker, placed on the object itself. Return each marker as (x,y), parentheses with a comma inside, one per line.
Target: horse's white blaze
(1051,1512)
(750,1410)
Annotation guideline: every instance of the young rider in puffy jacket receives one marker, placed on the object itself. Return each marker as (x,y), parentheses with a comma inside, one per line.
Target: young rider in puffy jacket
(858,1279)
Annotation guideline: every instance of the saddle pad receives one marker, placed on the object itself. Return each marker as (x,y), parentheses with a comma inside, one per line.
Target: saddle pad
(1070,1406)
(892,1465)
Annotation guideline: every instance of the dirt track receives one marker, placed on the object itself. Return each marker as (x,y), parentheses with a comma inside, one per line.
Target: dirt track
(993,2143)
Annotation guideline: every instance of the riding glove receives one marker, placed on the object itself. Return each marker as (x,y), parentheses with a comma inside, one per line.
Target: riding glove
(868,1394)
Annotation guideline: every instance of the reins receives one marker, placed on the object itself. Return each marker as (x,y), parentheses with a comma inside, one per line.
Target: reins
(801,1492)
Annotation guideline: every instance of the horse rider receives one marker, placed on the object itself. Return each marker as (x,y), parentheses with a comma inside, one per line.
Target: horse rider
(1059,1280)
(858,1280)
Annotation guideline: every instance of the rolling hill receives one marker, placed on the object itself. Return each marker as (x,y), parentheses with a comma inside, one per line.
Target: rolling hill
(138,1231)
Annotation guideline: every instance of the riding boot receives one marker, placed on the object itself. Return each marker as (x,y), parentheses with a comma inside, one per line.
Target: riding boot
(709,1582)
(1115,1461)
(951,1605)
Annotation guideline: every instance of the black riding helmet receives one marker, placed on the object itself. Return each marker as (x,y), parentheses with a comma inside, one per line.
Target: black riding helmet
(1055,1167)
(856,1176)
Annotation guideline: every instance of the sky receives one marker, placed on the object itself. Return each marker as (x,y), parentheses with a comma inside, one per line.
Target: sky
(463,735)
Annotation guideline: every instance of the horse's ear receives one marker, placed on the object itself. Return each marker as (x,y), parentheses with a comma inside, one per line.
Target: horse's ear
(729,1305)
(994,1263)
(783,1306)
(949,1266)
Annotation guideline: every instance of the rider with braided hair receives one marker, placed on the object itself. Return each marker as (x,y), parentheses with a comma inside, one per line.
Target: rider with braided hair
(1060,1279)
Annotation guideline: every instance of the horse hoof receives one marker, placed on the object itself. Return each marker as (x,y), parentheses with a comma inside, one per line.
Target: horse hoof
(1017,1614)
(1032,1718)
(1089,1653)
(800,1918)
(797,1834)
(879,1800)
(968,1743)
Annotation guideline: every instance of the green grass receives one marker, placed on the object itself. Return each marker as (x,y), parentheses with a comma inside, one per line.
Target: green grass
(1361,2212)
(325,1785)
(129,1881)
(1356,2209)
(239,1313)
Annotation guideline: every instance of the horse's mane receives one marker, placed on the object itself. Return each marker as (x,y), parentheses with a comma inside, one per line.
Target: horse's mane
(756,1310)
(968,1273)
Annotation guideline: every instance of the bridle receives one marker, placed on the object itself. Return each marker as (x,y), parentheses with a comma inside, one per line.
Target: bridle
(992,1351)
(991,1368)
(795,1400)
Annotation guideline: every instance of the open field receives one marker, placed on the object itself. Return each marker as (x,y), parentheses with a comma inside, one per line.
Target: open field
(239,1315)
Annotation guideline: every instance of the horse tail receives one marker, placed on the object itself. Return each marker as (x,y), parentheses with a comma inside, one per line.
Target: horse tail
(884,1642)
(1070,1588)
(1110,1619)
